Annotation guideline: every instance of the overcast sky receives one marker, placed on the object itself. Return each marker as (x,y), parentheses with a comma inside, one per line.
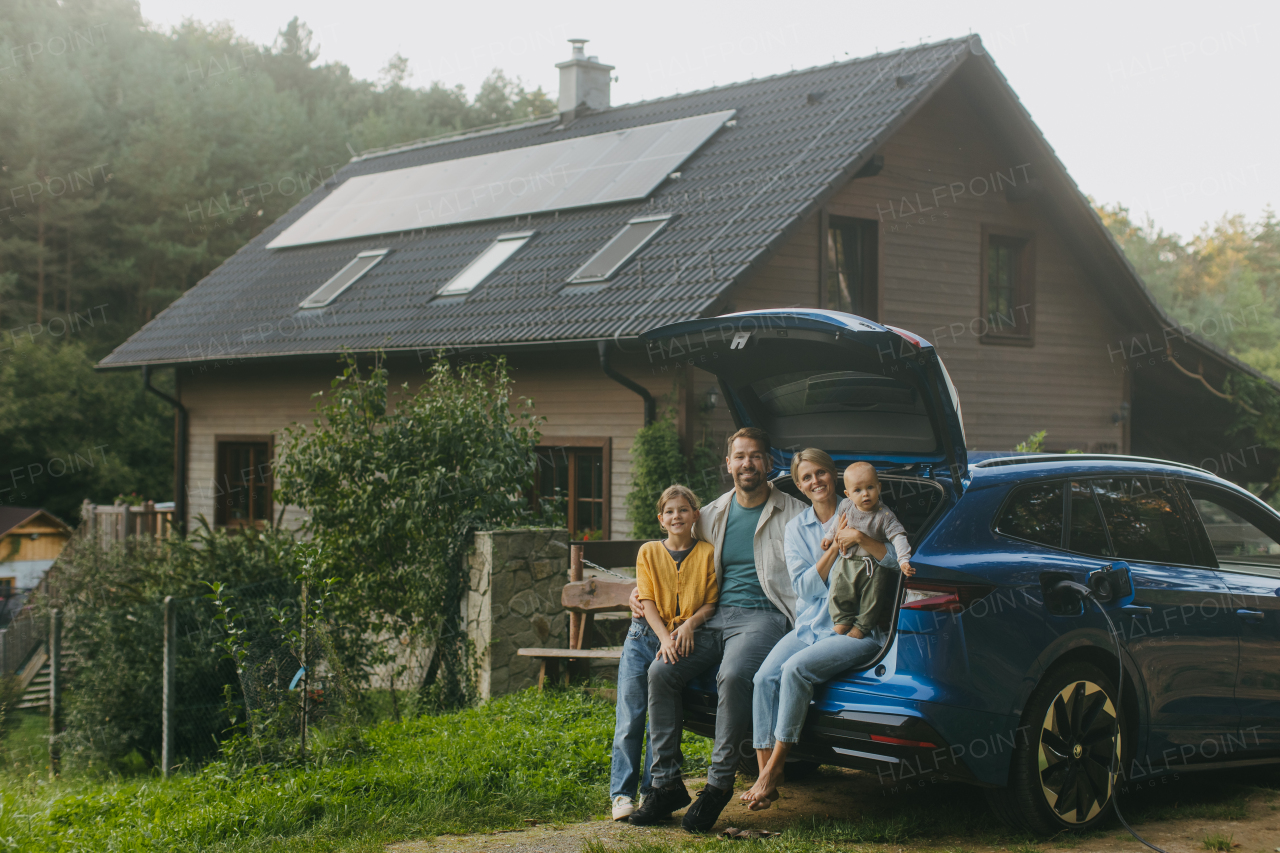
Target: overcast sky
(1171,108)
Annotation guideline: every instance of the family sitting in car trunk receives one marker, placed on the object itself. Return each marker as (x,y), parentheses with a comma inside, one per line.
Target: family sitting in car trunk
(779,595)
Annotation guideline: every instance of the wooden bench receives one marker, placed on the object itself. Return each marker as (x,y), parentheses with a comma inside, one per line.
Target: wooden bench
(583,599)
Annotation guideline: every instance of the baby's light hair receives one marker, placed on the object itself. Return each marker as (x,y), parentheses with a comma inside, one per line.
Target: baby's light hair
(678,491)
(852,466)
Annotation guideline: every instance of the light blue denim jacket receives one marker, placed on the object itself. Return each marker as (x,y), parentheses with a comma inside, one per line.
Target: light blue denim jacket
(802,546)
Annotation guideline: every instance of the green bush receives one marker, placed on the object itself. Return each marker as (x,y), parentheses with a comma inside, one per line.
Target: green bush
(657,461)
(393,485)
(113,636)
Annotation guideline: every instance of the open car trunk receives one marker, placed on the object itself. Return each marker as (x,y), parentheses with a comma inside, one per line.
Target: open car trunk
(856,389)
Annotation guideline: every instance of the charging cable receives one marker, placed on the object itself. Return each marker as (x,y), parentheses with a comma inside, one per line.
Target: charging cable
(1085,592)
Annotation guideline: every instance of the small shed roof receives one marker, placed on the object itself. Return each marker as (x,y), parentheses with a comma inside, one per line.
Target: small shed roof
(16,516)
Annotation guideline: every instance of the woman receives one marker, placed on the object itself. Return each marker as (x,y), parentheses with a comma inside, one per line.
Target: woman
(812,652)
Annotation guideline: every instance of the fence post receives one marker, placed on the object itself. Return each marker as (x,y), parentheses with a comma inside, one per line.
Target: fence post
(302,747)
(166,700)
(55,689)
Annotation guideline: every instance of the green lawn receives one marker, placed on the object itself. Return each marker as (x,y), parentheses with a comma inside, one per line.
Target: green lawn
(522,756)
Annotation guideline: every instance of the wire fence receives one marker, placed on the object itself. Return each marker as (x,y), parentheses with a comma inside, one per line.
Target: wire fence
(114,687)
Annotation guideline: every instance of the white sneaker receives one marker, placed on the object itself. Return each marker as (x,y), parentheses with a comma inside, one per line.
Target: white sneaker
(622,807)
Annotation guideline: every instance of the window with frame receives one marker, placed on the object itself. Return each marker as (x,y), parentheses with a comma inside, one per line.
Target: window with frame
(850,267)
(1239,534)
(1144,521)
(242,490)
(1008,287)
(573,479)
(1033,513)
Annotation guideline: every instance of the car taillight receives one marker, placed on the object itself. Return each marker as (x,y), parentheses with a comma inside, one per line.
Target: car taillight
(932,596)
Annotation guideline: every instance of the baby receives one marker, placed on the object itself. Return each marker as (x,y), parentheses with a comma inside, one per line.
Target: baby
(861,510)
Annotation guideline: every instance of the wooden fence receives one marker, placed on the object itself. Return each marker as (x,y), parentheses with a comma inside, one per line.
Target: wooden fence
(115,523)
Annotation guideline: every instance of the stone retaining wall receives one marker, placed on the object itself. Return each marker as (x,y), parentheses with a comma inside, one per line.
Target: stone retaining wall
(514,602)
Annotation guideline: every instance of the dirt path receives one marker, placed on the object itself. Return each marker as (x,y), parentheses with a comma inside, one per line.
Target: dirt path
(846,810)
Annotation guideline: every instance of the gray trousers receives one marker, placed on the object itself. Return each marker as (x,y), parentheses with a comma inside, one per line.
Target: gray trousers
(745,638)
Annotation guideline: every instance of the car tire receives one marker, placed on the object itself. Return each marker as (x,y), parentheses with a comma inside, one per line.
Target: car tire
(1059,777)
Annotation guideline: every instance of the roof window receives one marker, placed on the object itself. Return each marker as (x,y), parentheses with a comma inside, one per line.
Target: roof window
(346,277)
(631,239)
(489,260)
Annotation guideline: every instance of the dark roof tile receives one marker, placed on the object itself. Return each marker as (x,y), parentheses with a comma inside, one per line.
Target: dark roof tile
(734,201)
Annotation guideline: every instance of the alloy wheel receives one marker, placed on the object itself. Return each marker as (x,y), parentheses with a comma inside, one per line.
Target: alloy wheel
(1078,739)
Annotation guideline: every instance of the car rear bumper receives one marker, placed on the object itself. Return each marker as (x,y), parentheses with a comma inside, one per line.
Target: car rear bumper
(900,742)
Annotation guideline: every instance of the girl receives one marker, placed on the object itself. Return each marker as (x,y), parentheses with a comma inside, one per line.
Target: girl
(676,581)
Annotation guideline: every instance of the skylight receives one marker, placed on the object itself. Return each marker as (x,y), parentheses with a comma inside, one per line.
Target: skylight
(631,239)
(489,260)
(346,277)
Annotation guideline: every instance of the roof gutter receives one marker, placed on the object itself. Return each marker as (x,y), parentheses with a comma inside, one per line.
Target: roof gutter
(180,453)
(650,407)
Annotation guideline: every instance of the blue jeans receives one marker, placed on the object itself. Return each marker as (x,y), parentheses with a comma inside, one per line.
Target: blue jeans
(739,640)
(785,681)
(639,650)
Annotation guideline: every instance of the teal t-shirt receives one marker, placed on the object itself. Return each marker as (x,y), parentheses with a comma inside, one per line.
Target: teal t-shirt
(741,587)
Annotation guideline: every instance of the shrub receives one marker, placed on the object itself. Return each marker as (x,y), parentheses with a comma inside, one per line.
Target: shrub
(113,636)
(657,461)
(393,494)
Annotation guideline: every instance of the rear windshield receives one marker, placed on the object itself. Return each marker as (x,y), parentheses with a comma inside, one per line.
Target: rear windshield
(841,411)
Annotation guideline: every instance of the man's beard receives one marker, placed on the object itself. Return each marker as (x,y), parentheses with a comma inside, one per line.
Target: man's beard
(748,480)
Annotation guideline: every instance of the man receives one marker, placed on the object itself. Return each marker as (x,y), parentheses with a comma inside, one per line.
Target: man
(757,605)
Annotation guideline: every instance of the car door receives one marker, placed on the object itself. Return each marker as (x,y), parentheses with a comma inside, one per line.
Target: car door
(1186,646)
(1243,540)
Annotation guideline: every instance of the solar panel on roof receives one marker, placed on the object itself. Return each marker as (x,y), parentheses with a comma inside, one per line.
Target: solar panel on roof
(609,167)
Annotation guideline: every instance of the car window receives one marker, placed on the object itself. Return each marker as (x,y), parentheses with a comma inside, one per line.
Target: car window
(1034,513)
(1142,516)
(1088,536)
(1236,540)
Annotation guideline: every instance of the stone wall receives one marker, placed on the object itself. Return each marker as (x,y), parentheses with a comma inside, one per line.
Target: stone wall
(514,603)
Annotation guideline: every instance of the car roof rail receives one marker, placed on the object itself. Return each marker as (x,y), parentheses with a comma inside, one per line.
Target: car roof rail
(1029,459)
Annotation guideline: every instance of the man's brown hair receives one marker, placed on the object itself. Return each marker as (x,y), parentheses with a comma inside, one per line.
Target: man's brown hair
(753,434)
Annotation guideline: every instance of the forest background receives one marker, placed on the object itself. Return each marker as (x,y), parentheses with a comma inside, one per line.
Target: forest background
(133,162)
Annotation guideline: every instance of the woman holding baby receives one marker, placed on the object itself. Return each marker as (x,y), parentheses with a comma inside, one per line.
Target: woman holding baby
(839,601)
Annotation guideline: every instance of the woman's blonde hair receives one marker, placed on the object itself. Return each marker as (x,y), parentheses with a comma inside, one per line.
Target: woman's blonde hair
(811,454)
(679,491)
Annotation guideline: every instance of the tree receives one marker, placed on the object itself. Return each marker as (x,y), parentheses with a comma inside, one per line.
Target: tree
(69,433)
(1224,284)
(393,488)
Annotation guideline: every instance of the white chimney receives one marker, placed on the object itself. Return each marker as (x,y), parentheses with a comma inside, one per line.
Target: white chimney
(584,82)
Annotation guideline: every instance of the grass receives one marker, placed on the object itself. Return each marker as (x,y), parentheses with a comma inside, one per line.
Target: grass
(531,755)
(522,756)
(1218,841)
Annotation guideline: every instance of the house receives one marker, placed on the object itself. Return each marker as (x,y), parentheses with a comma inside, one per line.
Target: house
(30,540)
(911,188)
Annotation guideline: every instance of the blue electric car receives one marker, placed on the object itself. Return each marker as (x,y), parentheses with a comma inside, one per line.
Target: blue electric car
(1079,624)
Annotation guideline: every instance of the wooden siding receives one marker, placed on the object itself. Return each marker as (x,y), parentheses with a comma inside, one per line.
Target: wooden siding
(18,546)
(930,263)
(567,387)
